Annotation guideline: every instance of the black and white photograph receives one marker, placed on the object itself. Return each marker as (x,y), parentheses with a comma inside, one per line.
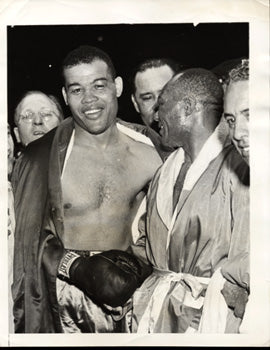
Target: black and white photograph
(135,201)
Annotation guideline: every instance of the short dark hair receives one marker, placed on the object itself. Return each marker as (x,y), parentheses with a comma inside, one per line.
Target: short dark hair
(154,63)
(201,85)
(239,73)
(87,54)
(53,98)
(222,69)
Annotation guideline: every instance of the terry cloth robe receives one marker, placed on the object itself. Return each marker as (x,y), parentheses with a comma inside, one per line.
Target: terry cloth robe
(37,200)
(208,229)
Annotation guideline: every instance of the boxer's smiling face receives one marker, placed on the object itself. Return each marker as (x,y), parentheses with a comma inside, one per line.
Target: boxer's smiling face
(91,94)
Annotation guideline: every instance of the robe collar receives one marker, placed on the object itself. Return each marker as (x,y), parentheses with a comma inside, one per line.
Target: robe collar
(170,170)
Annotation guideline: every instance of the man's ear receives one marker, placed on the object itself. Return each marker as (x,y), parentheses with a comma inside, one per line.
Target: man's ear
(64,93)
(189,105)
(17,134)
(119,86)
(135,104)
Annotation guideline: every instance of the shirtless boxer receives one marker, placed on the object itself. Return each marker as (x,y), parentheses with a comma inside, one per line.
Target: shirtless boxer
(96,171)
(111,199)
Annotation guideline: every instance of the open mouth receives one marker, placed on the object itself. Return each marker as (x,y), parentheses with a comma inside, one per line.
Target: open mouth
(38,133)
(161,128)
(92,113)
(245,150)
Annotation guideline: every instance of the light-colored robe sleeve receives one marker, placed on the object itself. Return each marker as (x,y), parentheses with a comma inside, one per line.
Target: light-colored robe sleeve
(236,269)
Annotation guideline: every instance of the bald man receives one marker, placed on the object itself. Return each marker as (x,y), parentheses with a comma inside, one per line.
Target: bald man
(196,208)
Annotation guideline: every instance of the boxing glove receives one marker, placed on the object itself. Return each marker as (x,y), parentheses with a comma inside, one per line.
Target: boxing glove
(110,277)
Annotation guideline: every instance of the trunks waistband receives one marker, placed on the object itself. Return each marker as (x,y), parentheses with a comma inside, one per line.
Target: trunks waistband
(84,253)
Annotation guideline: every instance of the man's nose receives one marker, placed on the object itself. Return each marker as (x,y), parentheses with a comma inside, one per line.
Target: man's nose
(37,119)
(155,109)
(89,96)
(240,129)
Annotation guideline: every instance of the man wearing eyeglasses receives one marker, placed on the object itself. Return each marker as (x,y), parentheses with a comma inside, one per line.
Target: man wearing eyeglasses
(35,115)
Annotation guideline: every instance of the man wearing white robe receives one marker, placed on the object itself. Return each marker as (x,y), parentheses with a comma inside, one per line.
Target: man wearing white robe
(197,213)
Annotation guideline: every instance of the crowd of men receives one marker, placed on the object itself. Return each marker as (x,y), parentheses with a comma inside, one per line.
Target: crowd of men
(123,227)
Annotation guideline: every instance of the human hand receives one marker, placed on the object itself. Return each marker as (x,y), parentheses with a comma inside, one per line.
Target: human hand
(236,298)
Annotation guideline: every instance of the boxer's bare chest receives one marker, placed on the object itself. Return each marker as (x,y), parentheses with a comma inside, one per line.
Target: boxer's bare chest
(101,193)
(95,179)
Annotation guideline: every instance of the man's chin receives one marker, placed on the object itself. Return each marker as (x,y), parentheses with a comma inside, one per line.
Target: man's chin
(167,146)
(246,159)
(154,125)
(245,156)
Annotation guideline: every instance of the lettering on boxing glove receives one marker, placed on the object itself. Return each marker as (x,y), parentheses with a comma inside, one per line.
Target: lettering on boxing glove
(65,265)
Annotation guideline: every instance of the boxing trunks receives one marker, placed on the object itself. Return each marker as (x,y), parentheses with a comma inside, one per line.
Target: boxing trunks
(79,314)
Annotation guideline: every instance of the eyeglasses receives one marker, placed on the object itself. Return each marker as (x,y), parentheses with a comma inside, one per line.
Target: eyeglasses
(29,116)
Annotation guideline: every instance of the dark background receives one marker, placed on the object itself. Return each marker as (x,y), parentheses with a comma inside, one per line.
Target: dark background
(35,53)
